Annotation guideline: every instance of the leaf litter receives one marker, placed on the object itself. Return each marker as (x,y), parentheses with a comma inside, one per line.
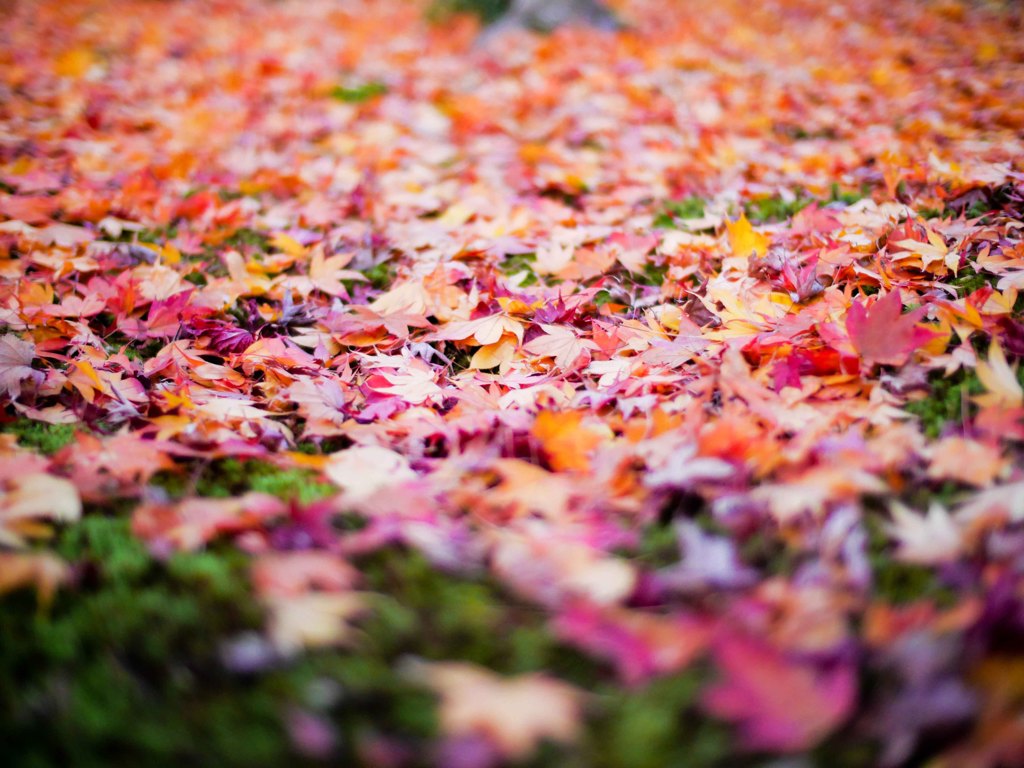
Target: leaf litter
(522,309)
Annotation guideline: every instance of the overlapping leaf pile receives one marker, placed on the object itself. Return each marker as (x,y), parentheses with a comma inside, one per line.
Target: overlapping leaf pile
(701,338)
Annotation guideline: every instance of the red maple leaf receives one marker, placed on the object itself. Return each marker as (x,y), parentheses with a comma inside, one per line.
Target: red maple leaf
(882,334)
(778,703)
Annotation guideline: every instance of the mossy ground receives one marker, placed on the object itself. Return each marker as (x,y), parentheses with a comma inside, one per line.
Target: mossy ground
(140,640)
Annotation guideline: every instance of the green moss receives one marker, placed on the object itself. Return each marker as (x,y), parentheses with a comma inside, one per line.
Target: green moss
(155,236)
(43,437)
(967,281)
(289,484)
(247,240)
(775,208)
(231,477)
(227,195)
(424,611)
(125,670)
(779,208)
(658,546)
(767,552)
(358,94)
(520,262)
(947,402)
(655,726)
(686,208)
(652,275)
(380,275)
(896,582)
(848,196)
(133,350)
(488,10)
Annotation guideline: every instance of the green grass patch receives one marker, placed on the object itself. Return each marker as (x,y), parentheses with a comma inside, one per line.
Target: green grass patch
(124,670)
(488,10)
(38,435)
(901,583)
(775,208)
(246,240)
(686,208)
(967,281)
(520,262)
(358,94)
(380,275)
(225,478)
(656,725)
(947,402)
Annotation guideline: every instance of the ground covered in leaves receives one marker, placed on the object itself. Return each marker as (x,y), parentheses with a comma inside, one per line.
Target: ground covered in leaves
(373,395)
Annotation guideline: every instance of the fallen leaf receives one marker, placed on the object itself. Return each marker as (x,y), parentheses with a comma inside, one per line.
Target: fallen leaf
(363,470)
(1000,381)
(744,240)
(777,703)
(882,334)
(516,714)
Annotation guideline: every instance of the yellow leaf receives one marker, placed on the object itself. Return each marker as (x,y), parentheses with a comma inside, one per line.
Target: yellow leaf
(566,441)
(74,63)
(1000,380)
(988,52)
(744,240)
(496,354)
(170,254)
(288,244)
(314,620)
(456,215)
(33,497)
(39,569)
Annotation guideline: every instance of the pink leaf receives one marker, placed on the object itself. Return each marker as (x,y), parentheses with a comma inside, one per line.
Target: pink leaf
(778,703)
(881,334)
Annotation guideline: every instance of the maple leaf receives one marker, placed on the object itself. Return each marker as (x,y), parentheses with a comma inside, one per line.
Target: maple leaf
(189,524)
(968,461)
(313,620)
(526,488)
(415,384)
(744,240)
(552,571)
(164,319)
(640,645)
(778,704)
(566,440)
(363,470)
(410,297)
(932,252)
(34,497)
(286,574)
(484,330)
(927,540)
(882,334)
(514,713)
(564,345)
(16,358)
(993,507)
(708,562)
(1000,381)
(120,462)
(325,275)
(41,570)
(497,355)
(322,403)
